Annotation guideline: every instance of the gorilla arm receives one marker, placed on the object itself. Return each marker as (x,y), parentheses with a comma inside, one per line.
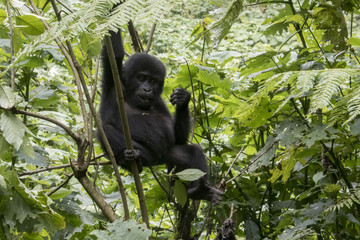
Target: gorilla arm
(180,98)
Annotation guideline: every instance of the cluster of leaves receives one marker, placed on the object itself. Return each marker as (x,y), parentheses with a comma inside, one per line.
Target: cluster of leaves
(275,104)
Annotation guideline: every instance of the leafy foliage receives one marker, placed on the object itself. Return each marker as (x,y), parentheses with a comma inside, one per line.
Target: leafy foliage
(276,109)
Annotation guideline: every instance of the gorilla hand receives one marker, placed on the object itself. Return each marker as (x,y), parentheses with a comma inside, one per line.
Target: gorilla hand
(131,155)
(180,97)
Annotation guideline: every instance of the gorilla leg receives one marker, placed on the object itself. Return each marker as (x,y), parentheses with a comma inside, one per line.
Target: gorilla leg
(187,156)
(192,156)
(117,142)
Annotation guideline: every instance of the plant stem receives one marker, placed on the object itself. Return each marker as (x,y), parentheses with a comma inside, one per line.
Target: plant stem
(126,129)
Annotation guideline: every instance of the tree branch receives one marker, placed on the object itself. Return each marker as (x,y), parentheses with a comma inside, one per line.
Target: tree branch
(150,38)
(135,39)
(74,136)
(126,128)
(12,51)
(77,70)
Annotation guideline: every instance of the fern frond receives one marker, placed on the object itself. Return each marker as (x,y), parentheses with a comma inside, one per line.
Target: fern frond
(348,201)
(331,81)
(327,83)
(354,105)
(96,13)
(339,111)
(229,13)
(306,81)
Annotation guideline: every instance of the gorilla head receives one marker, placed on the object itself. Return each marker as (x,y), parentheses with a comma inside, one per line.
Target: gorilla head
(143,78)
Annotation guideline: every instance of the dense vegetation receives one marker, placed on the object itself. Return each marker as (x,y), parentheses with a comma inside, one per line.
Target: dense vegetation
(276,106)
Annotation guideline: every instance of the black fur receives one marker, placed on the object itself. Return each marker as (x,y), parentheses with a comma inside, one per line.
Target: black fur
(157,137)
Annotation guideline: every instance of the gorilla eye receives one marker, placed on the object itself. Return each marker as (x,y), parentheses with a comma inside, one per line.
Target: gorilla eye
(141,77)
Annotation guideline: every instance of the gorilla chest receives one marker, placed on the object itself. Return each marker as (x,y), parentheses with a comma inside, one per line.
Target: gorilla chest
(152,128)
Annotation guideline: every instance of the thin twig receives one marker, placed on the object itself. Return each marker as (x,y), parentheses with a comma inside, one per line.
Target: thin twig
(162,186)
(193,100)
(222,184)
(252,162)
(65,6)
(235,159)
(50,168)
(135,39)
(150,38)
(36,115)
(12,51)
(72,60)
(96,77)
(61,185)
(126,129)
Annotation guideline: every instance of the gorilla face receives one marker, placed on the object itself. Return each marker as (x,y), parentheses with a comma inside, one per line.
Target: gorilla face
(143,80)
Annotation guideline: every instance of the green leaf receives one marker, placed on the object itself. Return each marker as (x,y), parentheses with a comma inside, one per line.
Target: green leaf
(128,230)
(180,193)
(13,129)
(61,193)
(90,44)
(318,176)
(5,147)
(30,24)
(190,174)
(288,162)
(224,56)
(264,155)
(8,97)
(3,15)
(229,13)
(332,188)
(43,97)
(252,230)
(213,79)
(38,158)
(27,148)
(26,208)
(354,41)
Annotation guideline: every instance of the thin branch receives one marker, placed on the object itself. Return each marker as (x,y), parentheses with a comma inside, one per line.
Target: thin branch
(96,196)
(65,6)
(126,129)
(162,186)
(61,185)
(72,61)
(135,39)
(297,25)
(222,184)
(150,38)
(12,51)
(193,99)
(269,2)
(103,136)
(252,162)
(50,168)
(235,159)
(96,77)
(36,115)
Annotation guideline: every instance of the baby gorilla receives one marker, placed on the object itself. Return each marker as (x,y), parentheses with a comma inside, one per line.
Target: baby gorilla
(158,138)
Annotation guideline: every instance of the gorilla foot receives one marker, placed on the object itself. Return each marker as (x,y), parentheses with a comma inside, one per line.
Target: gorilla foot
(202,190)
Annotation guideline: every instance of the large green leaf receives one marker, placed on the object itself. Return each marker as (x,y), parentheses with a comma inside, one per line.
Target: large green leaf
(30,24)
(2,15)
(124,230)
(190,174)
(12,129)
(8,97)
(180,192)
(26,209)
(213,79)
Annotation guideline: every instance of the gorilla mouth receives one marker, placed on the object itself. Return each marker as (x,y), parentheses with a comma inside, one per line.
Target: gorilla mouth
(144,99)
